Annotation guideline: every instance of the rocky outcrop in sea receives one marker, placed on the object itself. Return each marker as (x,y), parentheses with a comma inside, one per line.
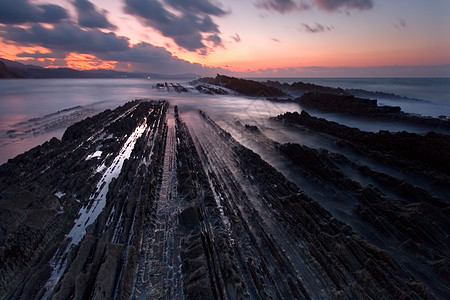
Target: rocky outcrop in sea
(367,109)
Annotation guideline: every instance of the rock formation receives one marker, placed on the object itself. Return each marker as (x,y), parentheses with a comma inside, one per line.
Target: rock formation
(242,86)
(366,108)
(413,217)
(141,202)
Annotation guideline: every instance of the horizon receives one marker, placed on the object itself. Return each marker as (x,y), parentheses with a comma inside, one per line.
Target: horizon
(250,39)
(191,75)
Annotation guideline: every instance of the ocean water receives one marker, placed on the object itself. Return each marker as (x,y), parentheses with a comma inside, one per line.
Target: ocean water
(436,90)
(433,93)
(34,110)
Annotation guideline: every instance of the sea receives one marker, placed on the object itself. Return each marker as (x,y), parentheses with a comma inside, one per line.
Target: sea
(33,111)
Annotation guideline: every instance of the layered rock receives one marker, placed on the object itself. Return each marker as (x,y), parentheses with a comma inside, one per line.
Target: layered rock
(409,216)
(300,87)
(352,267)
(242,86)
(210,89)
(345,104)
(407,150)
(366,108)
(54,183)
(138,202)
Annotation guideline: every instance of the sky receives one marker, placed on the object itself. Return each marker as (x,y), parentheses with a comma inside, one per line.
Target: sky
(249,38)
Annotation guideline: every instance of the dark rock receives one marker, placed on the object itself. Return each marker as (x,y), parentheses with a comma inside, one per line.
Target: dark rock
(302,87)
(243,86)
(252,128)
(430,150)
(366,108)
(189,217)
(210,90)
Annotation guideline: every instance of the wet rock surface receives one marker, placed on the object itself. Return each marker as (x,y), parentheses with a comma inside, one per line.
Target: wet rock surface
(354,268)
(146,201)
(46,189)
(414,218)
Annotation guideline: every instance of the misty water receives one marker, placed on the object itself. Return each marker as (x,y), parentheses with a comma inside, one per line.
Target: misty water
(34,110)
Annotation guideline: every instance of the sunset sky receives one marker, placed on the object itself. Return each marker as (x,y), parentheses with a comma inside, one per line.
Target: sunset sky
(278,38)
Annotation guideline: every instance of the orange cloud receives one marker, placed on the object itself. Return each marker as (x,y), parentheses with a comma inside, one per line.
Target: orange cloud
(87,62)
(8,51)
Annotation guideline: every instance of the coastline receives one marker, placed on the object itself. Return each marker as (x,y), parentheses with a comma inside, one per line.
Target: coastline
(226,208)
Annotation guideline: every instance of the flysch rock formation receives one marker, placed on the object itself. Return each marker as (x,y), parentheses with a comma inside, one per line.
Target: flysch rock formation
(413,218)
(148,202)
(72,210)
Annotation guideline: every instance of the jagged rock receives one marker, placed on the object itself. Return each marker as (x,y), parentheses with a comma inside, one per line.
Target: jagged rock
(52,182)
(302,87)
(210,90)
(242,86)
(429,150)
(345,104)
(417,216)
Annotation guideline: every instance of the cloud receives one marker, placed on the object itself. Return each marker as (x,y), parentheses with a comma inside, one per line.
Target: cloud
(67,37)
(71,40)
(236,38)
(317,28)
(401,23)
(203,6)
(43,59)
(335,5)
(281,6)
(22,11)
(287,6)
(276,40)
(145,57)
(37,55)
(152,58)
(215,39)
(88,16)
(186,27)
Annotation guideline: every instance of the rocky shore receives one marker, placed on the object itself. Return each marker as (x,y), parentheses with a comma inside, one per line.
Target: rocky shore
(148,201)
(416,218)
(45,190)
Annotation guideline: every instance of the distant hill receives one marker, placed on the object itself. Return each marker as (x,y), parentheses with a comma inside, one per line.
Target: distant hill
(12,69)
(5,72)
